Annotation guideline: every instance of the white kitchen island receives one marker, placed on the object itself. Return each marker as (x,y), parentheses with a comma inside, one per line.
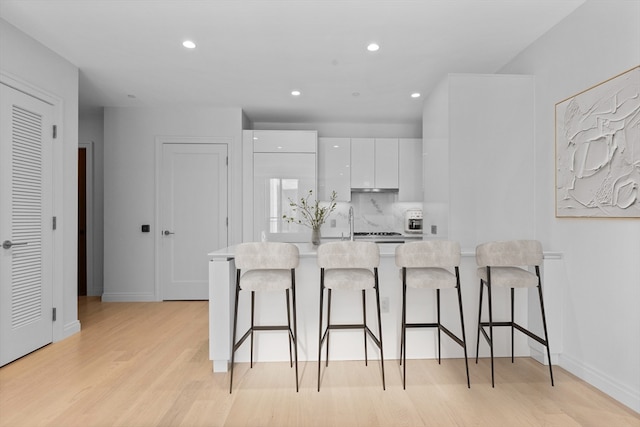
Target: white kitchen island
(346,308)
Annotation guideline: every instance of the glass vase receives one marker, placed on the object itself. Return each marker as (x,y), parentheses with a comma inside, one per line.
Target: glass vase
(315,236)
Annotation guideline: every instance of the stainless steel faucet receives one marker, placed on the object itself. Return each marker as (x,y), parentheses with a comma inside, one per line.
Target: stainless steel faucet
(351,233)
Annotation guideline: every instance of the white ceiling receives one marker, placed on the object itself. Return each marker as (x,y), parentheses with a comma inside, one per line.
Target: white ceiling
(253,53)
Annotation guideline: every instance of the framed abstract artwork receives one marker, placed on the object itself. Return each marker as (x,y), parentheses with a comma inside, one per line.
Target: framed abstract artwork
(598,150)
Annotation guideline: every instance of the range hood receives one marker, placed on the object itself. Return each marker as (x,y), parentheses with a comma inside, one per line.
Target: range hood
(374,190)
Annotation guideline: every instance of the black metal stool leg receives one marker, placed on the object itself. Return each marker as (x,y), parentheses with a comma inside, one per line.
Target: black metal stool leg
(479,320)
(289,326)
(295,324)
(512,327)
(403,350)
(380,327)
(404,313)
(490,328)
(364,328)
(235,324)
(320,325)
(544,323)
(438,316)
(253,297)
(328,325)
(464,338)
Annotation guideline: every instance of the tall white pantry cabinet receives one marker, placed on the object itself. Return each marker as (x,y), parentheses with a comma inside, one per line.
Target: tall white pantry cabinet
(478,158)
(278,167)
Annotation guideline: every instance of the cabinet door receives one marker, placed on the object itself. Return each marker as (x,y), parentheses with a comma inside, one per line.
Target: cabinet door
(284,141)
(278,177)
(386,163)
(362,163)
(334,172)
(410,170)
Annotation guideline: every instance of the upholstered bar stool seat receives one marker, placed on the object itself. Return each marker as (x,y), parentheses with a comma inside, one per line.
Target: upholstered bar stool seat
(505,264)
(266,267)
(430,265)
(266,280)
(509,277)
(430,278)
(349,279)
(349,266)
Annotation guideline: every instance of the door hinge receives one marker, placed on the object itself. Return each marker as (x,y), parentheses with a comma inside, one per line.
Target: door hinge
(227,222)
(226,162)
(55,131)
(54,223)
(54,314)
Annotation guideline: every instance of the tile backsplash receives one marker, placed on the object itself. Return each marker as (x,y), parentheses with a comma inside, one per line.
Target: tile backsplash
(372,212)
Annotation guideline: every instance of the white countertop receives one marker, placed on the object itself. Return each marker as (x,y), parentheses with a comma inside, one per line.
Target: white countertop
(307,250)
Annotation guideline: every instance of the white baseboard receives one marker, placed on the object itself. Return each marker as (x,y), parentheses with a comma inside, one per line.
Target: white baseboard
(69,329)
(541,356)
(620,392)
(128,297)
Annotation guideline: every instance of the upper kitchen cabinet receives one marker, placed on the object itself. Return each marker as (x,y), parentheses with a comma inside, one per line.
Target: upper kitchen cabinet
(285,141)
(410,174)
(362,163)
(374,163)
(334,172)
(386,151)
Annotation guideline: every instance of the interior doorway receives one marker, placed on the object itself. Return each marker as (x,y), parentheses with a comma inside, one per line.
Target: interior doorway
(192,213)
(26,212)
(82,221)
(87,284)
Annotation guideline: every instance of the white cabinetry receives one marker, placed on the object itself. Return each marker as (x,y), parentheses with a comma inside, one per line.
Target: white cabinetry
(284,141)
(362,163)
(278,166)
(386,153)
(334,168)
(410,170)
(374,163)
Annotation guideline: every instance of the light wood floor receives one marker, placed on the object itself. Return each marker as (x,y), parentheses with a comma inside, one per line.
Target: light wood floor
(146,364)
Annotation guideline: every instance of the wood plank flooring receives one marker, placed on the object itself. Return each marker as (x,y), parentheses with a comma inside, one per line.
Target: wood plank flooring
(146,364)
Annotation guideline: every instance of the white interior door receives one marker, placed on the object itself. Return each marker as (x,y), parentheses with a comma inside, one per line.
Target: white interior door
(26,126)
(193,216)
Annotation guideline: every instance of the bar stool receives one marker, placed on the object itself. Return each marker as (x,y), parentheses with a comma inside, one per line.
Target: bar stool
(428,264)
(348,266)
(263,267)
(500,264)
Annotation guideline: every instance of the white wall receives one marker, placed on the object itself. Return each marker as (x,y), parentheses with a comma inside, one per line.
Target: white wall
(352,130)
(30,62)
(129,188)
(490,158)
(601,319)
(91,130)
(478,158)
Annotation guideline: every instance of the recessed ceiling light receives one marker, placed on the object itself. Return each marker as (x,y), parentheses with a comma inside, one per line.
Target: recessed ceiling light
(295,92)
(189,44)
(415,95)
(373,47)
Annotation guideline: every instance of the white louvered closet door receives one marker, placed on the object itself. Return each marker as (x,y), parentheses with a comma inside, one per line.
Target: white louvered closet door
(26,274)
